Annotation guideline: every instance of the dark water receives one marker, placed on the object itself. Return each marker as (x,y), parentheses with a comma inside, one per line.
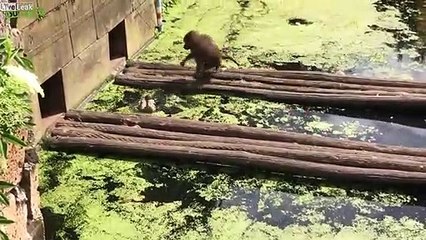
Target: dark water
(389,133)
(277,206)
(335,211)
(404,129)
(395,129)
(398,127)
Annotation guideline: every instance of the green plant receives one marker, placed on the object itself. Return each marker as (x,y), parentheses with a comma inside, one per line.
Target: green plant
(15,110)
(41,13)
(4,201)
(15,84)
(8,54)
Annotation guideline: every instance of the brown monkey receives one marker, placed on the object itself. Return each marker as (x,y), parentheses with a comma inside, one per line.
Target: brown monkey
(205,52)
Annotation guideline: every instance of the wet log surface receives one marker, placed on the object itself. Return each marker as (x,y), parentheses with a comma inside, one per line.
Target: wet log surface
(302,87)
(144,135)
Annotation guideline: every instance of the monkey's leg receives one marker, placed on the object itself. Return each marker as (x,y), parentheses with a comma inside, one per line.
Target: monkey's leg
(189,56)
(199,70)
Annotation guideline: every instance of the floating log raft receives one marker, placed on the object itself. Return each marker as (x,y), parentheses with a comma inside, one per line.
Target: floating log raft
(301,87)
(141,135)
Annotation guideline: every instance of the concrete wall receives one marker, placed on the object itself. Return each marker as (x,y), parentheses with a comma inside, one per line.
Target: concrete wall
(24,208)
(73,38)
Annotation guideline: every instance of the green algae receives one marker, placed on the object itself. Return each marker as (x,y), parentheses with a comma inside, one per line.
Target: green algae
(102,198)
(204,15)
(162,201)
(334,39)
(232,110)
(130,200)
(258,32)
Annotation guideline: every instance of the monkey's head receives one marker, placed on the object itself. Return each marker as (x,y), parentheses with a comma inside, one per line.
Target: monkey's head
(148,97)
(190,39)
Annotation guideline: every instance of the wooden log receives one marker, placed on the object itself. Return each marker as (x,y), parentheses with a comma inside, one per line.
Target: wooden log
(322,76)
(226,75)
(157,65)
(286,85)
(307,75)
(169,135)
(343,159)
(276,164)
(228,130)
(322,99)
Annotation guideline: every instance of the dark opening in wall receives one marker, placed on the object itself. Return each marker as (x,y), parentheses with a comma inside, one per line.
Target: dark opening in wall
(117,42)
(53,102)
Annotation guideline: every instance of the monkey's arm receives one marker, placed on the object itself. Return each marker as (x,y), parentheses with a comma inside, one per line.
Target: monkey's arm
(189,56)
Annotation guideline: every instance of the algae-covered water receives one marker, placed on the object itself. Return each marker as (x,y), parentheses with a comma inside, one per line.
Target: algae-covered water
(90,198)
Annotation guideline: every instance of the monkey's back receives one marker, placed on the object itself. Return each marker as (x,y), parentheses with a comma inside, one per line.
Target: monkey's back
(203,49)
(208,51)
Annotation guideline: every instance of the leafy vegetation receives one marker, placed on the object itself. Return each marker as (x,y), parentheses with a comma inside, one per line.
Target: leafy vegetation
(15,111)
(4,200)
(158,199)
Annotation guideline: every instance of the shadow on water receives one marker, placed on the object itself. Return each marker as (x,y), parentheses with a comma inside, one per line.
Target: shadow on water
(413,14)
(277,206)
(335,211)
(54,222)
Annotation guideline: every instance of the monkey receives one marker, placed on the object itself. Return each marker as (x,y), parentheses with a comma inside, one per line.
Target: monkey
(147,104)
(205,51)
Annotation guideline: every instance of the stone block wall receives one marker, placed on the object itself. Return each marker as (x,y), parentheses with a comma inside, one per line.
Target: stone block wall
(24,208)
(71,44)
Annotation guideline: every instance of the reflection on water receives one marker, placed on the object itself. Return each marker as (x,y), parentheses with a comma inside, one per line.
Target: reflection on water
(282,209)
(389,133)
(404,63)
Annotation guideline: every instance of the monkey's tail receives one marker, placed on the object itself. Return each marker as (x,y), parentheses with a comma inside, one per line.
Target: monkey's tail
(224,56)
